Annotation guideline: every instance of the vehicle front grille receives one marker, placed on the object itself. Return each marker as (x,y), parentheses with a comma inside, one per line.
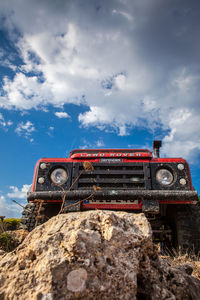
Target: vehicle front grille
(111,176)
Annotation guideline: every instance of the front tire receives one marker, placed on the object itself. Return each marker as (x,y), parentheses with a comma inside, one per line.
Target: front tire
(30,218)
(186,227)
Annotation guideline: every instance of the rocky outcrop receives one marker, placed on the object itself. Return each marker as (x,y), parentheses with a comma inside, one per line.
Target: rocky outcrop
(18,235)
(92,255)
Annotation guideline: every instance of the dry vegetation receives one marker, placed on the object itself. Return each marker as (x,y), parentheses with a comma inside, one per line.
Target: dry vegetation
(179,259)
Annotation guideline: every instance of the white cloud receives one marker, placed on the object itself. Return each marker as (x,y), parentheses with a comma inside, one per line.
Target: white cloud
(24,92)
(9,210)
(124,14)
(100,143)
(19,193)
(95,116)
(25,129)
(120,82)
(122,130)
(9,123)
(3,205)
(4,123)
(6,60)
(95,144)
(184,137)
(62,114)
(51,131)
(137,68)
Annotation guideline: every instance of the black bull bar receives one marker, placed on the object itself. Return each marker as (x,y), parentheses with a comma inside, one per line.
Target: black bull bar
(112,194)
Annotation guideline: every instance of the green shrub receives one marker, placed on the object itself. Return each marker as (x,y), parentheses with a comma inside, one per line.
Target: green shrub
(11,223)
(7,242)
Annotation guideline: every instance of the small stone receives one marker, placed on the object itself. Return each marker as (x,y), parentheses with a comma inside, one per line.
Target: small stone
(76,280)
(47,296)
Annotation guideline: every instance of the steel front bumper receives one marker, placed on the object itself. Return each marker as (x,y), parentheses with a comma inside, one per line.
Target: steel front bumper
(159,195)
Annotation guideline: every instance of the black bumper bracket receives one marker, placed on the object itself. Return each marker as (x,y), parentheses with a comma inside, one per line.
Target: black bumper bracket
(150,206)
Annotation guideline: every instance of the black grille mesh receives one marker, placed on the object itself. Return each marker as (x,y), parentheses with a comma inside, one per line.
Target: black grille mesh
(113,175)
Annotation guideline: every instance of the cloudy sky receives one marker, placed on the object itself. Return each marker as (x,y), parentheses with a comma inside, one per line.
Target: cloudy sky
(95,73)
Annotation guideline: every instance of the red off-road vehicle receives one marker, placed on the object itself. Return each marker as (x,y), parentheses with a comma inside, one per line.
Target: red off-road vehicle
(119,179)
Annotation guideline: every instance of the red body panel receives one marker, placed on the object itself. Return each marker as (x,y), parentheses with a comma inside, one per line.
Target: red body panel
(112,206)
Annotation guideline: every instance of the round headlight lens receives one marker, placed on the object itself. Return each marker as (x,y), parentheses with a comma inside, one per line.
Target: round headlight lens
(164,177)
(59,176)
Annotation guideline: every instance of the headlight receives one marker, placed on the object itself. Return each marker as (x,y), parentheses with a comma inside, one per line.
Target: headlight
(59,176)
(43,166)
(164,177)
(41,180)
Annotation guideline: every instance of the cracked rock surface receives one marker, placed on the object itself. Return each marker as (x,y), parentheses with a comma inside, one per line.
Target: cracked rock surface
(92,255)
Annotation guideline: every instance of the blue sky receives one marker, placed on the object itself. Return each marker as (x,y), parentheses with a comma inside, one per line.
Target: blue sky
(103,74)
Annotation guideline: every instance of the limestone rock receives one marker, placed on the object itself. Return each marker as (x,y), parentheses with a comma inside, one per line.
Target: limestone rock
(92,255)
(2,252)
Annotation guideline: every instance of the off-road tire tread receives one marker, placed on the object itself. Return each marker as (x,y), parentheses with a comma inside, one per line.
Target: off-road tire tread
(187,223)
(29,216)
